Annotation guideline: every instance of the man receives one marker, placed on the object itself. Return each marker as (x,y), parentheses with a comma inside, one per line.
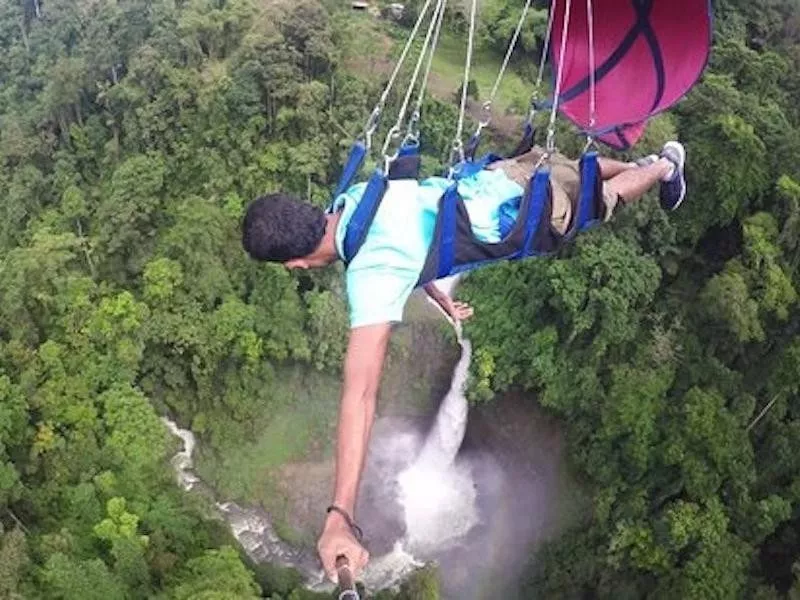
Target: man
(386,269)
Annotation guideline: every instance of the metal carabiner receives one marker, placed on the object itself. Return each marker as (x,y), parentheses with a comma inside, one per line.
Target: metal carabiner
(457,152)
(394,134)
(532,112)
(590,135)
(550,144)
(487,115)
(542,159)
(372,125)
(410,139)
(388,159)
(412,131)
(485,120)
(413,121)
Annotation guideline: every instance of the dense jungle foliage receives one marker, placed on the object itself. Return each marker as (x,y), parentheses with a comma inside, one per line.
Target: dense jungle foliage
(132,135)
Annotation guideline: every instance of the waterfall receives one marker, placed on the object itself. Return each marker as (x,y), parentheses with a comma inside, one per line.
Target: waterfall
(445,437)
(437,492)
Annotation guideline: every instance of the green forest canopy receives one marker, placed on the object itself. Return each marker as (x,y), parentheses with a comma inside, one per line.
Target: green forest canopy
(132,134)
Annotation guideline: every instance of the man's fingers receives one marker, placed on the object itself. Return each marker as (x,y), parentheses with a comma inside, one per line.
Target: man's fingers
(328,565)
(462,308)
(360,562)
(357,558)
(328,556)
(464,312)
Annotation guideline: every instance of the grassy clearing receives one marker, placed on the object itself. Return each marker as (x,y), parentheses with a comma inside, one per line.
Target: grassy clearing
(448,71)
(300,426)
(372,47)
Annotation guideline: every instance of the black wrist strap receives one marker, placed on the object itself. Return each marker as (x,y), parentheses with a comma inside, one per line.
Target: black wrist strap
(355,528)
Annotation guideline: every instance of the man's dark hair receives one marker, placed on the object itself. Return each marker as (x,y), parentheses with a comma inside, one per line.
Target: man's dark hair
(278,228)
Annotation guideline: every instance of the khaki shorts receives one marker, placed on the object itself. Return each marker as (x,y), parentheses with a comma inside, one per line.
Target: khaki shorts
(565,180)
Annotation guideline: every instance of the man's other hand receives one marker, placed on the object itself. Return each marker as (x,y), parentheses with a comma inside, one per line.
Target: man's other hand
(458,311)
(461,311)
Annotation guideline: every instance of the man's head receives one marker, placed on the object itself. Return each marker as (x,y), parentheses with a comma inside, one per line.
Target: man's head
(279,228)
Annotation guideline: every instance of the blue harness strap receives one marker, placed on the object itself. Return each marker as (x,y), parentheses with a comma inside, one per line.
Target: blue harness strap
(527,141)
(456,249)
(364,214)
(447,240)
(591,189)
(539,195)
(589,204)
(355,159)
(405,166)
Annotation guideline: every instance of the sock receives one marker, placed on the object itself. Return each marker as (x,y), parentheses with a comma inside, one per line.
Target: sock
(646,160)
(671,173)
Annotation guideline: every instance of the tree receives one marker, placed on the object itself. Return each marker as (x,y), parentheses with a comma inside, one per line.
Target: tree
(328,329)
(128,215)
(120,530)
(216,575)
(135,435)
(71,579)
(14,562)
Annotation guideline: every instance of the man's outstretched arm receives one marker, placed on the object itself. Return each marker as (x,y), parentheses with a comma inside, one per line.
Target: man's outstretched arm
(363,366)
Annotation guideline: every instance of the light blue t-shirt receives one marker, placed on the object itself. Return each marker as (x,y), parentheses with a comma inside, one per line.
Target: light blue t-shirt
(386,269)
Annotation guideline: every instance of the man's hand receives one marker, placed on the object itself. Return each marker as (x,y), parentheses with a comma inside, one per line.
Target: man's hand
(458,311)
(337,540)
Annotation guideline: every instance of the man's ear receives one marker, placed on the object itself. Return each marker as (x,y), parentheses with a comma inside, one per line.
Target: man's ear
(296,263)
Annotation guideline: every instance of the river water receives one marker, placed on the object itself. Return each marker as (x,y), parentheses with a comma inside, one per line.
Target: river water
(475,508)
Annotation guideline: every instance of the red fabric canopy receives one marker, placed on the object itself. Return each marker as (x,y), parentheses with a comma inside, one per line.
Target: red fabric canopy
(648,55)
